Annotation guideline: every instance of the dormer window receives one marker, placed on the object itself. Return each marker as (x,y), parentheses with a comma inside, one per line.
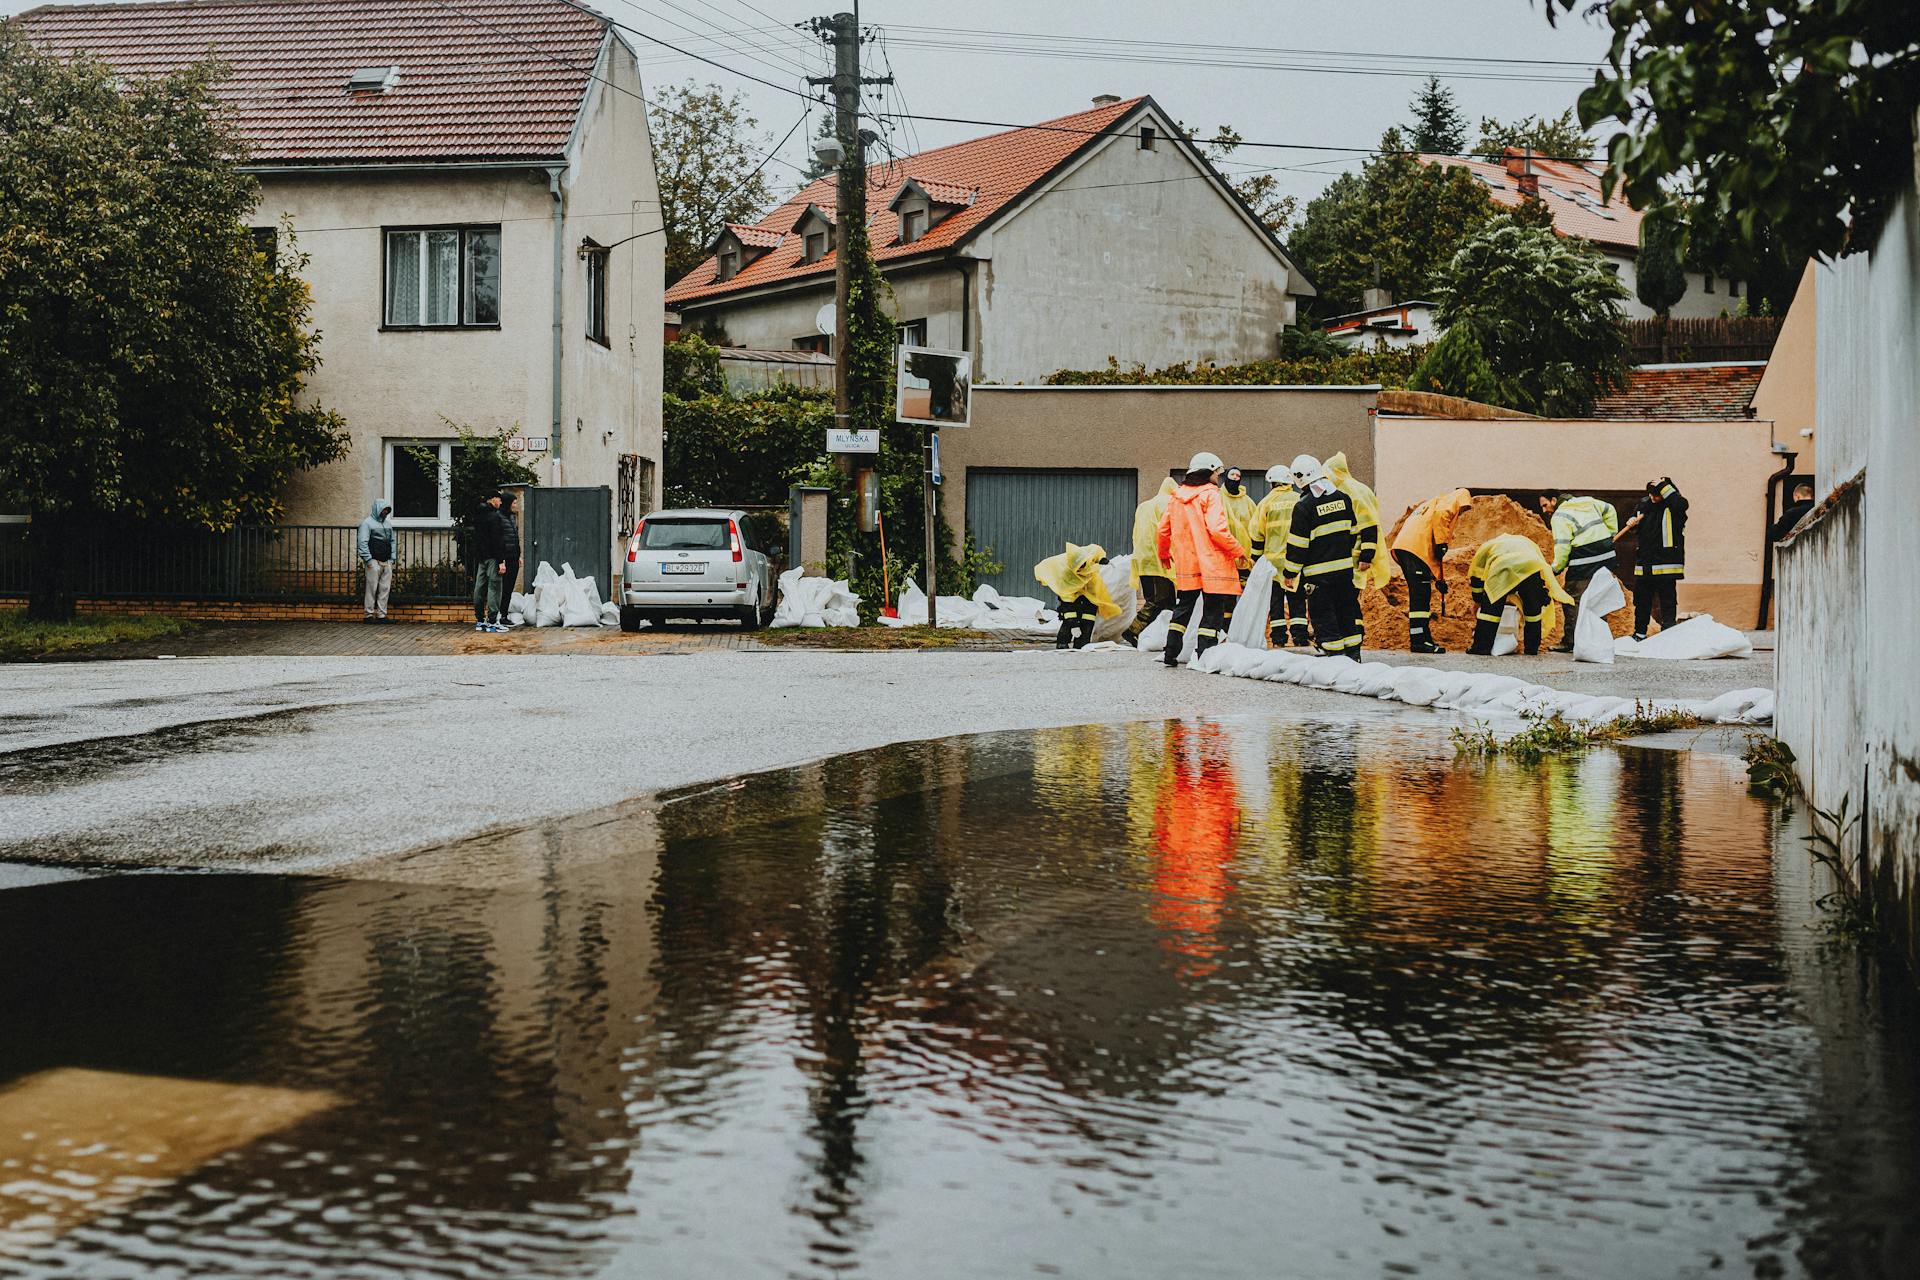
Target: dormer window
(922,204)
(729,264)
(815,230)
(817,245)
(913,225)
(369,80)
(737,247)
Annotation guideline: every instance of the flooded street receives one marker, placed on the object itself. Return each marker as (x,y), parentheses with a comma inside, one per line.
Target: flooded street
(1196,998)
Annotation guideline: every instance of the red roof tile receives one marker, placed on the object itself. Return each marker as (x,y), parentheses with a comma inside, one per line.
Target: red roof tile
(1684,392)
(499,79)
(994,171)
(1571,191)
(754,237)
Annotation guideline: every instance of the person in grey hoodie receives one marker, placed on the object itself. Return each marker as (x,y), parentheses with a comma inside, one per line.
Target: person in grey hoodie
(376,546)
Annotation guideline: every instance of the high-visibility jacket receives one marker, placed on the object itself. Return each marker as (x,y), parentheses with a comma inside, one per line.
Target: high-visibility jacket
(1271,520)
(1663,535)
(1583,530)
(1147,561)
(1506,560)
(1240,520)
(1321,537)
(1195,538)
(1074,574)
(1430,527)
(1366,524)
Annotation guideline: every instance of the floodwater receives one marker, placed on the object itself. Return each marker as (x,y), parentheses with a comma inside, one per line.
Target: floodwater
(1193,998)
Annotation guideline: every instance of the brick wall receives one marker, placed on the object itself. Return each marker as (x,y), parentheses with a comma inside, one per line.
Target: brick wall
(271,611)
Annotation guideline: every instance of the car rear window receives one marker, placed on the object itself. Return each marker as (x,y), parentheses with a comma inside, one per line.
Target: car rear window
(684,535)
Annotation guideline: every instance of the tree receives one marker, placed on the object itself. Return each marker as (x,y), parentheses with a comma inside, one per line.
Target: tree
(152,358)
(1558,136)
(1545,312)
(1395,225)
(1261,191)
(709,158)
(1457,366)
(1795,123)
(483,465)
(1437,125)
(1660,278)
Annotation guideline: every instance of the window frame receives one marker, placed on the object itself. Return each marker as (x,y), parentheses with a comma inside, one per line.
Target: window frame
(598,258)
(727,264)
(908,232)
(911,333)
(819,343)
(460,304)
(1149,138)
(443,519)
(806,246)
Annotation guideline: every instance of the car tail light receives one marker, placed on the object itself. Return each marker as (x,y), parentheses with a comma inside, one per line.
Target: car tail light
(733,534)
(633,543)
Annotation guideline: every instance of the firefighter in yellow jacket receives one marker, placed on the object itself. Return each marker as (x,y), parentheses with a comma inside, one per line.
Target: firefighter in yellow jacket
(1420,549)
(1152,576)
(1239,507)
(1583,534)
(1074,576)
(1511,565)
(1272,518)
(1372,568)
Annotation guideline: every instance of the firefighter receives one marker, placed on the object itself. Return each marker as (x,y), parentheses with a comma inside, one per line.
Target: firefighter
(1660,559)
(1511,565)
(1583,534)
(1420,548)
(1319,560)
(1152,576)
(1195,537)
(1239,505)
(1374,569)
(1287,615)
(1074,576)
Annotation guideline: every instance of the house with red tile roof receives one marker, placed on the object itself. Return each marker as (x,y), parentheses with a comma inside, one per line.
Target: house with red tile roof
(1099,235)
(466,183)
(1581,207)
(1699,392)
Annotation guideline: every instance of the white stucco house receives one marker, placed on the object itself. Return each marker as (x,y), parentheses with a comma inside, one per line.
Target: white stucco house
(1102,234)
(467,182)
(1383,322)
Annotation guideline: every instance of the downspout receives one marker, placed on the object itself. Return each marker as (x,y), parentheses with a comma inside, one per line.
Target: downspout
(1774,483)
(966,314)
(559,317)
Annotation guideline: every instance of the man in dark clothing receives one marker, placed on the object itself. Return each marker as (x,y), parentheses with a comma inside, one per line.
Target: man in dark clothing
(1661,559)
(1801,504)
(490,562)
(510,537)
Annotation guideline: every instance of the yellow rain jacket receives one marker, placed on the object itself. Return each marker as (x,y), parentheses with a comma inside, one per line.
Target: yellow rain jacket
(1271,521)
(1240,511)
(1074,574)
(1146,533)
(1431,525)
(1366,515)
(1505,561)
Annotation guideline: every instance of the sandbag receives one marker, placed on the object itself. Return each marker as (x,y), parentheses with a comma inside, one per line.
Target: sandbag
(1592,637)
(575,609)
(1507,640)
(1699,637)
(1249,625)
(815,602)
(1118,575)
(1153,638)
(609,614)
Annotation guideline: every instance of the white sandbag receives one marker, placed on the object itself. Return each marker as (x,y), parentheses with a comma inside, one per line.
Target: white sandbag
(815,602)
(1118,575)
(1249,625)
(1507,640)
(592,587)
(1592,637)
(1699,637)
(544,575)
(609,614)
(1153,639)
(575,610)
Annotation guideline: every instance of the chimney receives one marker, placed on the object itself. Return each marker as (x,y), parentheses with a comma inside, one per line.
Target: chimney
(1105,99)
(1519,163)
(1529,184)
(1376,298)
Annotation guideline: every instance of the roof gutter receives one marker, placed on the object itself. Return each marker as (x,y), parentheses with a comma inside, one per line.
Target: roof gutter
(412,166)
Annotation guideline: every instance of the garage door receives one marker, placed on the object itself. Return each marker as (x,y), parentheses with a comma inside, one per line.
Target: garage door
(1022,516)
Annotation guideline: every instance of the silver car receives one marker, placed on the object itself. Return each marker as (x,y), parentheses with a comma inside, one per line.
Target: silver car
(695,563)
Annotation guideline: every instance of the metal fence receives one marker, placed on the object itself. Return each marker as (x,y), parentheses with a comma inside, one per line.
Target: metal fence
(308,563)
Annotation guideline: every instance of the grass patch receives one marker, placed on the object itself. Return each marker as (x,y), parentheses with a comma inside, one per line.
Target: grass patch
(1555,735)
(22,639)
(883,638)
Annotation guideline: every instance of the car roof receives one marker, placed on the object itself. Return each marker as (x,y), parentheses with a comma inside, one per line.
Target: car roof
(696,513)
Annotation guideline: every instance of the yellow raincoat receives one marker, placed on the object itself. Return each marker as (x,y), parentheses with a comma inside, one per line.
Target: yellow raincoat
(1075,574)
(1366,513)
(1271,521)
(1240,511)
(1505,561)
(1146,533)
(1431,526)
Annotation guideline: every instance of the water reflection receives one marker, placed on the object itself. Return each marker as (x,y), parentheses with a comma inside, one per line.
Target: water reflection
(1213,997)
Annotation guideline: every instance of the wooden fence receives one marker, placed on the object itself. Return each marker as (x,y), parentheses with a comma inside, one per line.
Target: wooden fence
(1720,338)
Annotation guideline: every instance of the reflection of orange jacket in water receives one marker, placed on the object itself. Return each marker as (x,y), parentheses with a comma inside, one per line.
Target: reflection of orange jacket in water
(1195,824)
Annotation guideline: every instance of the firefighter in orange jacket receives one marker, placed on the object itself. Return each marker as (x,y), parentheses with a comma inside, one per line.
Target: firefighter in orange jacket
(1195,537)
(1420,549)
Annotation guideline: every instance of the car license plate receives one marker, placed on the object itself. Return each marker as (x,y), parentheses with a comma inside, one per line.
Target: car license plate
(700,567)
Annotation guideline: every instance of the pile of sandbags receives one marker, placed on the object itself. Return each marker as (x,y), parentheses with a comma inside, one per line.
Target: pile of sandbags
(1698,637)
(561,600)
(988,610)
(1385,610)
(815,602)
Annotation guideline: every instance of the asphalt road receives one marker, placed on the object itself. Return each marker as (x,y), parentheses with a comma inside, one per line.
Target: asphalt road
(318,764)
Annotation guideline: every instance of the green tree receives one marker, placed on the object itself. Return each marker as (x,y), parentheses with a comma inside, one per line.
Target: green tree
(1794,123)
(1660,276)
(1544,310)
(1558,136)
(1457,366)
(1437,124)
(690,368)
(152,359)
(1395,225)
(708,155)
(1261,191)
(483,465)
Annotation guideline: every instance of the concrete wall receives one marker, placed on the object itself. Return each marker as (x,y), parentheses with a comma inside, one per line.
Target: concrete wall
(1722,467)
(1152,429)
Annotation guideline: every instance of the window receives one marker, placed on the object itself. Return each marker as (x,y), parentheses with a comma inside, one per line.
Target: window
(729,264)
(373,79)
(913,333)
(816,246)
(266,243)
(685,535)
(1708,276)
(418,486)
(818,342)
(443,277)
(1733,288)
(913,225)
(1147,137)
(597,293)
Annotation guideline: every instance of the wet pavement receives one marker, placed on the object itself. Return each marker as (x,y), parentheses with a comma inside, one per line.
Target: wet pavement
(1202,997)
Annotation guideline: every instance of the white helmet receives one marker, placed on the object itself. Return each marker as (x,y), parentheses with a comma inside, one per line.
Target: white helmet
(1307,470)
(1204,461)
(1278,474)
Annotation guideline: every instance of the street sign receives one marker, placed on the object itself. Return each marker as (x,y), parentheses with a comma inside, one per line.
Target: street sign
(842,440)
(933,388)
(539,444)
(933,444)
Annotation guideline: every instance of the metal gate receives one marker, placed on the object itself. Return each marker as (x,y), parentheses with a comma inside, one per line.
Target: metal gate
(1021,516)
(571,526)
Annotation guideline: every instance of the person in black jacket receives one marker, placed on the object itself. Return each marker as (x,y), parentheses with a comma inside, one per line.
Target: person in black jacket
(510,538)
(1801,504)
(1661,559)
(490,562)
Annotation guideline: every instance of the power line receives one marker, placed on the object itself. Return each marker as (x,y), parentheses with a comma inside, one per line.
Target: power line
(665,44)
(745,48)
(1249,49)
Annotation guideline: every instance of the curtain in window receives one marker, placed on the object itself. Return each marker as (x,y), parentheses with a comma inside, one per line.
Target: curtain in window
(403,277)
(483,277)
(443,277)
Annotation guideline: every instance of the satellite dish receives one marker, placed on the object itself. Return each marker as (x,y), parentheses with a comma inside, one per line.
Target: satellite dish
(823,319)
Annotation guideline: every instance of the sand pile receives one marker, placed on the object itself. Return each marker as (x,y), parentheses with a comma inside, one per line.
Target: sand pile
(1385,611)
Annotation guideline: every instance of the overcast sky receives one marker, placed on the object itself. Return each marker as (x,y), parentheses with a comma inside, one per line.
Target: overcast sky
(1367,58)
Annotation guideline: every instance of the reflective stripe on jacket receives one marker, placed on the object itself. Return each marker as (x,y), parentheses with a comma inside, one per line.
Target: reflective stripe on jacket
(1271,520)
(1322,537)
(1430,527)
(1583,530)
(1662,551)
